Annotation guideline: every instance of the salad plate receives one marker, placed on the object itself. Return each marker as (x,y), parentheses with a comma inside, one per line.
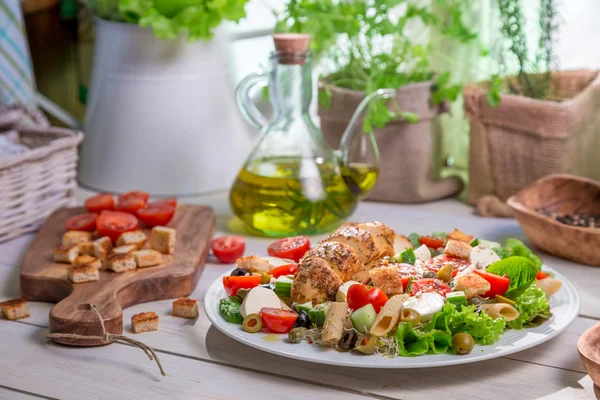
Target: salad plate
(564,305)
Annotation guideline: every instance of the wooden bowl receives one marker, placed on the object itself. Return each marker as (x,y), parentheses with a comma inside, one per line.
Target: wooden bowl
(588,346)
(561,194)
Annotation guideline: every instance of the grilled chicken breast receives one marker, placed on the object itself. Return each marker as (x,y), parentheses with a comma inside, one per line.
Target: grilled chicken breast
(340,257)
(383,236)
(315,281)
(360,240)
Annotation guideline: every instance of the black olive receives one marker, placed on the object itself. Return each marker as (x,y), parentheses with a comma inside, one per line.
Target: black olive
(302,321)
(429,274)
(348,340)
(239,272)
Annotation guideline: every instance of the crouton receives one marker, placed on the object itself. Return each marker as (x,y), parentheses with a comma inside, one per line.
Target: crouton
(147,258)
(456,248)
(388,279)
(84,273)
(254,264)
(102,248)
(128,248)
(137,238)
(472,284)
(14,309)
(459,235)
(89,261)
(121,262)
(144,322)
(73,237)
(86,248)
(66,254)
(162,239)
(185,308)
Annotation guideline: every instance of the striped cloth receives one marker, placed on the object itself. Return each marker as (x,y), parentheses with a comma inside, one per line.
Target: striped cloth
(17,82)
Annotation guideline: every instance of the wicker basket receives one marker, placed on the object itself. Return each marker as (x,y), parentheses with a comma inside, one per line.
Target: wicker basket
(35,183)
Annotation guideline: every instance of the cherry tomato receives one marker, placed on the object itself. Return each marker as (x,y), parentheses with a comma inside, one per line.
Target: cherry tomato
(498,284)
(227,249)
(430,241)
(278,320)
(234,283)
(99,203)
(172,202)
(360,295)
(429,285)
(293,247)
(154,215)
(114,223)
(437,262)
(130,202)
(540,275)
(83,222)
(287,269)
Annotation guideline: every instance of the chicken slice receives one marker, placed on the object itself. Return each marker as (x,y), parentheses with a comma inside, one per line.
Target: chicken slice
(340,257)
(388,279)
(383,236)
(315,281)
(360,240)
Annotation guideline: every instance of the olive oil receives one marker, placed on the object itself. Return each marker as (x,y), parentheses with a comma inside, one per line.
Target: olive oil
(360,178)
(291,196)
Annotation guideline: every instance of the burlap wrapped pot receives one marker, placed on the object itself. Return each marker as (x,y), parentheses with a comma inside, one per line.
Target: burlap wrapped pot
(406,149)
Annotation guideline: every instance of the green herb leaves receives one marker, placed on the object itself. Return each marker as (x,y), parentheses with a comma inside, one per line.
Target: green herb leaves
(519,270)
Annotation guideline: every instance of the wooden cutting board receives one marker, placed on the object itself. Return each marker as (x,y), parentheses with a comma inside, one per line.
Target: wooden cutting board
(44,280)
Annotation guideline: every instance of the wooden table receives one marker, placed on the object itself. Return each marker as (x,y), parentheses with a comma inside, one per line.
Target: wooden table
(201,362)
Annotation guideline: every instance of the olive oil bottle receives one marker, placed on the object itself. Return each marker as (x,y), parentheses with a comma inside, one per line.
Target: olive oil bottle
(360,178)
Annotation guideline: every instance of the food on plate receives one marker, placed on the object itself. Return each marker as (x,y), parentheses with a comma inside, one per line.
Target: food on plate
(137,238)
(115,223)
(121,262)
(14,309)
(155,214)
(127,248)
(147,258)
(102,248)
(131,202)
(83,222)
(99,203)
(66,254)
(86,248)
(185,308)
(162,239)
(427,294)
(83,273)
(228,249)
(89,261)
(292,248)
(144,322)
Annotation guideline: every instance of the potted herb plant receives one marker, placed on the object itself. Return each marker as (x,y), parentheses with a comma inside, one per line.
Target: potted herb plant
(161,115)
(534,123)
(370,45)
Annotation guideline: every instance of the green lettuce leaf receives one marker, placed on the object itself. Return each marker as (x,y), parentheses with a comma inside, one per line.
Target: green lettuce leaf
(519,270)
(515,247)
(413,342)
(532,306)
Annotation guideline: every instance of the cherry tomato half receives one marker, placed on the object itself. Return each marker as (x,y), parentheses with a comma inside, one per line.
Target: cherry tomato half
(156,214)
(430,241)
(287,269)
(498,284)
(99,203)
(130,202)
(114,223)
(429,285)
(278,320)
(360,295)
(172,202)
(293,247)
(234,283)
(227,249)
(540,275)
(83,222)
(437,262)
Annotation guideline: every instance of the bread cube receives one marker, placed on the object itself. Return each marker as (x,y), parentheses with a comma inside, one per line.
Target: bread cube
(14,309)
(472,284)
(128,248)
(456,248)
(84,273)
(185,308)
(459,235)
(137,238)
(162,239)
(86,248)
(121,262)
(147,258)
(144,322)
(89,261)
(73,237)
(66,254)
(388,279)
(102,248)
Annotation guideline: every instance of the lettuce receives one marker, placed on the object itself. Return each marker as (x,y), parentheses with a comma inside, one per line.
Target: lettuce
(413,342)
(532,306)
(515,247)
(519,270)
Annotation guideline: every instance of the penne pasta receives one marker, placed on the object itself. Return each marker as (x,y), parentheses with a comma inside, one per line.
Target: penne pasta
(333,328)
(499,310)
(549,285)
(388,316)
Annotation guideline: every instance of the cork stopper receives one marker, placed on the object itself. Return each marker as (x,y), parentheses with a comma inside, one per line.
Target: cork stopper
(292,47)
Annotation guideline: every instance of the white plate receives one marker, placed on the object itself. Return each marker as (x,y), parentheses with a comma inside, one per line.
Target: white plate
(564,306)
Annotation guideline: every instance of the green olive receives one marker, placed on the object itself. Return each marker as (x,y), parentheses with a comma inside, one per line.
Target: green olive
(296,335)
(264,277)
(445,273)
(366,345)
(463,343)
(252,323)
(409,315)
(242,294)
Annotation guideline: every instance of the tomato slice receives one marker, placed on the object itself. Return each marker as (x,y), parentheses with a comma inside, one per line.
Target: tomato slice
(430,241)
(130,202)
(360,295)
(293,247)
(540,275)
(234,283)
(227,249)
(287,269)
(498,284)
(83,222)
(437,262)
(172,202)
(429,285)
(156,214)
(114,223)
(278,320)
(99,203)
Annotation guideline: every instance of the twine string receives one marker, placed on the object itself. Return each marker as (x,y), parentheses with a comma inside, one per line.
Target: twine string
(107,337)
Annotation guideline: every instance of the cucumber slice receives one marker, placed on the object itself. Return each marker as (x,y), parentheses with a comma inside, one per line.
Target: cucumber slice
(408,256)
(458,298)
(363,318)
(318,313)
(306,307)
(487,243)
(283,288)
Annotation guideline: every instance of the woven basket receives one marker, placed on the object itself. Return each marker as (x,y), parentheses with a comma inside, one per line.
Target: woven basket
(35,183)
(524,139)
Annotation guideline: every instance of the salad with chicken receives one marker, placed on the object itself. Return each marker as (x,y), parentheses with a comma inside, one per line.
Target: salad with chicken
(369,290)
